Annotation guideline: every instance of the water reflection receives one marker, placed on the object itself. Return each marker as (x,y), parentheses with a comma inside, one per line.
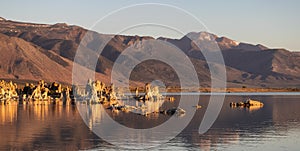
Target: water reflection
(8,114)
(47,127)
(249,108)
(31,127)
(244,128)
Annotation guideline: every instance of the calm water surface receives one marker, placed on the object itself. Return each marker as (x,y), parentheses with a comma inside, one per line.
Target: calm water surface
(275,126)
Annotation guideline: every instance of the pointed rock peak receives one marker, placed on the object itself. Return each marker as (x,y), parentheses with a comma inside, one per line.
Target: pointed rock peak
(203,35)
(262,47)
(60,25)
(227,41)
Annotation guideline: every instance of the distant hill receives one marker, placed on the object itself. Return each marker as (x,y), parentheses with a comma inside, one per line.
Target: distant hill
(41,51)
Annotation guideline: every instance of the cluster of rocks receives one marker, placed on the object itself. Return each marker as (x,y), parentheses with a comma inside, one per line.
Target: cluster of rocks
(150,93)
(92,93)
(8,90)
(97,92)
(248,103)
(42,91)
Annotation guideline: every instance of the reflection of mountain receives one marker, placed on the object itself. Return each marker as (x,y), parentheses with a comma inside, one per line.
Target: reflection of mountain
(235,127)
(35,51)
(286,110)
(275,109)
(62,128)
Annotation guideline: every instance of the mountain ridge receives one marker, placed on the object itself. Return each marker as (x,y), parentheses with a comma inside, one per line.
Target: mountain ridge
(246,64)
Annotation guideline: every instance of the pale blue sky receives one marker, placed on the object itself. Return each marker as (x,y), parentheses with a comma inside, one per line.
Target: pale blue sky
(274,23)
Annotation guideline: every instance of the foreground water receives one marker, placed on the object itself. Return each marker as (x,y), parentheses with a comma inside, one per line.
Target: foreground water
(275,126)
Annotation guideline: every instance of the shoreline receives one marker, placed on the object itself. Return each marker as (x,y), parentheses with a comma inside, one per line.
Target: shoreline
(234,90)
(21,83)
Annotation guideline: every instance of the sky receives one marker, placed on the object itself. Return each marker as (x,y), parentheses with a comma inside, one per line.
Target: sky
(273,23)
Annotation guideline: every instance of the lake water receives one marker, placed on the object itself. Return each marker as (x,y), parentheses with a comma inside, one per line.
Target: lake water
(275,126)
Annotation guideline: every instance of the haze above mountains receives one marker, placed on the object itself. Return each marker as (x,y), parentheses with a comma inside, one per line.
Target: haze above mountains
(40,51)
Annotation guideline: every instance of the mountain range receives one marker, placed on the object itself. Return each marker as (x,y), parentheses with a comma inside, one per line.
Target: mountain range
(31,51)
